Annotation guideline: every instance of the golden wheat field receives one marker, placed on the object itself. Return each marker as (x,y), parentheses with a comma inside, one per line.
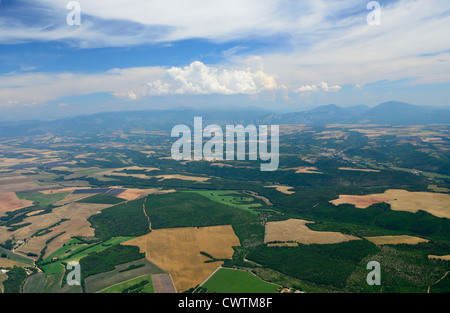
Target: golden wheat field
(395,240)
(439,257)
(437,204)
(358,169)
(177,251)
(75,224)
(360,202)
(283,189)
(183,177)
(10,202)
(295,230)
(134,193)
(305,170)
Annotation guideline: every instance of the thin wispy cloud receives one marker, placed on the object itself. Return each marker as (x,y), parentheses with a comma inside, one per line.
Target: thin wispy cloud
(407,45)
(166,21)
(39,88)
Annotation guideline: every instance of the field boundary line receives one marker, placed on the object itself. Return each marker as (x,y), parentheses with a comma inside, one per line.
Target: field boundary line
(210,275)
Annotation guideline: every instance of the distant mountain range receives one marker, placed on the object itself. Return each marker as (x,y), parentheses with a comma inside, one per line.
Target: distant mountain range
(393,112)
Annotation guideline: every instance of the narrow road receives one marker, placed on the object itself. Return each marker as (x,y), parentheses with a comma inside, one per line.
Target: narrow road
(428,291)
(145,213)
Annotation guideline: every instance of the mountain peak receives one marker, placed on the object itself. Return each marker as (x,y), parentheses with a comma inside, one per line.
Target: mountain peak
(395,104)
(328,107)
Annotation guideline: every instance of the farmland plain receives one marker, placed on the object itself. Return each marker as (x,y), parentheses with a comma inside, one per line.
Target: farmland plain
(139,221)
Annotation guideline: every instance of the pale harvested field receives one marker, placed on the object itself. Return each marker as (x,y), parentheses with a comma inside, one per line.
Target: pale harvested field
(221,165)
(336,134)
(72,198)
(60,168)
(118,172)
(177,251)
(58,190)
(437,204)
(163,283)
(358,169)
(77,225)
(184,177)
(295,230)
(34,212)
(283,189)
(16,183)
(6,162)
(305,170)
(133,194)
(228,165)
(69,198)
(10,202)
(395,240)
(37,222)
(3,277)
(292,129)
(372,132)
(4,262)
(166,158)
(439,257)
(256,195)
(84,155)
(360,202)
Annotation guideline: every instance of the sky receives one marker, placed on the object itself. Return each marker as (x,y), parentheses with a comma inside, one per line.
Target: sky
(62,58)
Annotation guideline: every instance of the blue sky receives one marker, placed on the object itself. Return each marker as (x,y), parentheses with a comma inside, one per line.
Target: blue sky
(284,55)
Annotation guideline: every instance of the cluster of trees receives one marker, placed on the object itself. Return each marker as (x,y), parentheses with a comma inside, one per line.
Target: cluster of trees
(192,210)
(108,259)
(126,219)
(321,264)
(16,278)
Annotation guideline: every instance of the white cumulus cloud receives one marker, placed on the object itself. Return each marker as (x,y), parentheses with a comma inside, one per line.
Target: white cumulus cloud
(200,79)
(322,86)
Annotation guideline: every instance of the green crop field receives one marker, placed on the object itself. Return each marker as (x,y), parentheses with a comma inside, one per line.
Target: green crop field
(232,198)
(236,281)
(41,199)
(16,257)
(134,285)
(75,251)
